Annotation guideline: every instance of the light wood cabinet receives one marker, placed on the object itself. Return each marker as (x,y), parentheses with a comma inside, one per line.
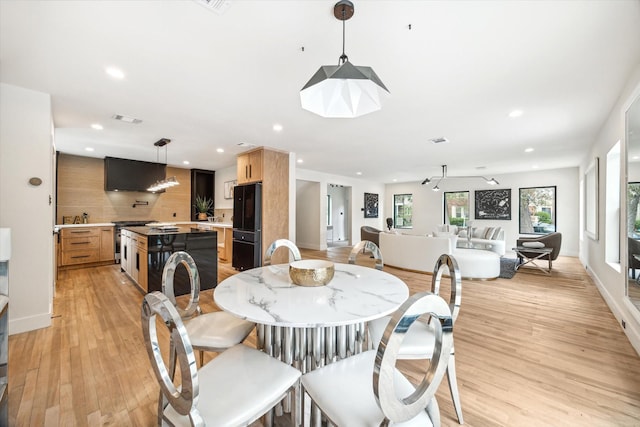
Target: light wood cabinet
(250,166)
(141,262)
(80,245)
(107,243)
(86,245)
(225,243)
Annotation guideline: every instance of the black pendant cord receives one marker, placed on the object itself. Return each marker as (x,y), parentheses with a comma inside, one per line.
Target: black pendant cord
(343,58)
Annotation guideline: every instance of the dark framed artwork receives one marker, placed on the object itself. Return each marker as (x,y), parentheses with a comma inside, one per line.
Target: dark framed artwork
(493,204)
(370,205)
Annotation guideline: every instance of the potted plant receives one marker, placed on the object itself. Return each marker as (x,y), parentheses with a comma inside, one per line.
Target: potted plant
(203,206)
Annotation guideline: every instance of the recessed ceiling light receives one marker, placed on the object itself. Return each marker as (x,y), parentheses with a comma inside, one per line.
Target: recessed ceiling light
(114,72)
(395,180)
(220,150)
(89,149)
(186,162)
(635,158)
(358,173)
(277,127)
(528,150)
(534,167)
(300,161)
(516,113)
(97,126)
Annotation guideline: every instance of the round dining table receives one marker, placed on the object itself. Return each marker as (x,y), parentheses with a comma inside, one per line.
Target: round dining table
(309,327)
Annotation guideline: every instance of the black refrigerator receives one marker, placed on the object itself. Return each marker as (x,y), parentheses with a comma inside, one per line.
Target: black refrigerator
(247,226)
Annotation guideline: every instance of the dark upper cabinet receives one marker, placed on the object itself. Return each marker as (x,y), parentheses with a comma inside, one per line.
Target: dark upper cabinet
(203,184)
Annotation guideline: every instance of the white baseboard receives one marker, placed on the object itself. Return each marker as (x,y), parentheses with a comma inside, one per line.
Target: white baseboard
(631,329)
(26,324)
(312,246)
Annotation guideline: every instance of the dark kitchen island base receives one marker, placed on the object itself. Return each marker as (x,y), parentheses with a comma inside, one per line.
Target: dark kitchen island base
(201,244)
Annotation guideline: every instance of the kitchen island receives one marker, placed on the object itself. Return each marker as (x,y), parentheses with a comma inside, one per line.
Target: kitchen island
(145,250)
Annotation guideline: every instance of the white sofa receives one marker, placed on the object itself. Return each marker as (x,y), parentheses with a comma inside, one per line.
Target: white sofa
(420,253)
(495,244)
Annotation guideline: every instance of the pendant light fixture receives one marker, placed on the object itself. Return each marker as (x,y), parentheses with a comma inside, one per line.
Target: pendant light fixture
(166,182)
(436,187)
(344,90)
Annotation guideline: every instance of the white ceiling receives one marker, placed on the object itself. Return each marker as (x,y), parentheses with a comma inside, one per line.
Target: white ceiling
(208,80)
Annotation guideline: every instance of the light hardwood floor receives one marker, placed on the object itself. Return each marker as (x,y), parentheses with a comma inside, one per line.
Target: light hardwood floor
(531,351)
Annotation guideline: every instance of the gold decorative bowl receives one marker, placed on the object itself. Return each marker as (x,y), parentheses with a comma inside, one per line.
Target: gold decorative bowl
(311,272)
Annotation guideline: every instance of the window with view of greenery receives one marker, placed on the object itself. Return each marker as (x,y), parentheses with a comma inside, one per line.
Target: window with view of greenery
(456,207)
(402,210)
(537,210)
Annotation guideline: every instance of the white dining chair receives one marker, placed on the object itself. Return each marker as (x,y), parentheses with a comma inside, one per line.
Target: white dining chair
(215,331)
(420,340)
(368,390)
(234,389)
(366,245)
(295,252)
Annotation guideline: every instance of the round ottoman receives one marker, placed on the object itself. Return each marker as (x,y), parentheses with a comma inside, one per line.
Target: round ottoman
(477,263)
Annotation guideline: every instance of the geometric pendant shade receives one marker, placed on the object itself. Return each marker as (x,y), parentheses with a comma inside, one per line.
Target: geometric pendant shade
(343,91)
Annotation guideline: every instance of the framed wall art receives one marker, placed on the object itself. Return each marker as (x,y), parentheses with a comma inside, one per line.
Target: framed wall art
(370,205)
(493,204)
(228,188)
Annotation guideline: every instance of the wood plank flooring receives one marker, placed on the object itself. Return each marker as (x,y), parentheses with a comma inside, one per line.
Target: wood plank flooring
(534,350)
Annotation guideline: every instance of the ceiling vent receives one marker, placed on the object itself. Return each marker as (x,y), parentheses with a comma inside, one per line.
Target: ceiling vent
(439,140)
(246,144)
(126,119)
(218,6)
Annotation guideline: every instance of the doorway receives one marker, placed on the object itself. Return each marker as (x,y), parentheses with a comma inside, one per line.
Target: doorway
(338,214)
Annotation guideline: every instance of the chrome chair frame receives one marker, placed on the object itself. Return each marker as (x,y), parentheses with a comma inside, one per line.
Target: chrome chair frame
(184,398)
(192,309)
(366,245)
(278,244)
(400,409)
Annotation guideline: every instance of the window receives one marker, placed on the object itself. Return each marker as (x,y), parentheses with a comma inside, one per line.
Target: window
(403,210)
(456,208)
(537,210)
(329,209)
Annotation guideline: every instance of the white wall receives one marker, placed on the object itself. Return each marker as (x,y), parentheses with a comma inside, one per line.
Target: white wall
(611,278)
(26,151)
(428,208)
(222,176)
(355,214)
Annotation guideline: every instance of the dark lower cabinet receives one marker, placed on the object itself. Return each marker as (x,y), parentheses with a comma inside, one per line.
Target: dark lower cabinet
(246,250)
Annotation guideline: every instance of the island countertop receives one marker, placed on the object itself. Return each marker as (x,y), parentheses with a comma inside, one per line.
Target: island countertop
(157,231)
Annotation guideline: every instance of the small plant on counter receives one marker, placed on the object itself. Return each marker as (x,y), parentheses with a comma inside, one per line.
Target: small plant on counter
(203,206)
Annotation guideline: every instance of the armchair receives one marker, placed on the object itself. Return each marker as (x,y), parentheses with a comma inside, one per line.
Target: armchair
(371,234)
(551,240)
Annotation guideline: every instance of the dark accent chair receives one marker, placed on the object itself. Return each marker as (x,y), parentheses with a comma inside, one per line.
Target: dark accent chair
(551,240)
(634,249)
(371,234)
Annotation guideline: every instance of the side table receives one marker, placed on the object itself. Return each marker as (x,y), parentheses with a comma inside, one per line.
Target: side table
(528,258)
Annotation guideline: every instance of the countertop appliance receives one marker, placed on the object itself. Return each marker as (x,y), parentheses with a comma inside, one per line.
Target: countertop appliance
(119,225)
(247,226)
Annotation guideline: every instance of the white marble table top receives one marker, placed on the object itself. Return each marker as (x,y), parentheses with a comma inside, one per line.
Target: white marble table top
(267,296)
